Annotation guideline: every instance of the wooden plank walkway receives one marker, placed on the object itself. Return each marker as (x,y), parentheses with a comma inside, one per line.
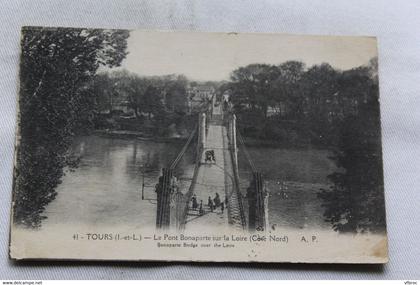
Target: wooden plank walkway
(216,177)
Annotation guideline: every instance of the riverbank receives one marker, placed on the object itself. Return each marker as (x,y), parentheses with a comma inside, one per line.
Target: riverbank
(288,164)
(278,144)
(123,134)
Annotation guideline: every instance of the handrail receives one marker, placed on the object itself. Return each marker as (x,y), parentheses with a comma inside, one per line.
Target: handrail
(183,150)
(247,155)
(238,191)
(188,195)
(236,177)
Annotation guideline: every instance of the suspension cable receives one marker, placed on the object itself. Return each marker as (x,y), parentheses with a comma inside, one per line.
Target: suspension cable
(247,155)
(184,149)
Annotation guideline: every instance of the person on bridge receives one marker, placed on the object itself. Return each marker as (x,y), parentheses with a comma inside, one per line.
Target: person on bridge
(201,210)
(210,204)
(194,202)
(217,200)
(222,207)
(210,156)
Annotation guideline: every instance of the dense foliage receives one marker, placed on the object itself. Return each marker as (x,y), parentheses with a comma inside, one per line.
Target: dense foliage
(295,105)
(355,202)
(291,105)
(56,71)
(149,104)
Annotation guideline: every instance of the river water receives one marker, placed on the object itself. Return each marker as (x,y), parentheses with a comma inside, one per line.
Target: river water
(105,190)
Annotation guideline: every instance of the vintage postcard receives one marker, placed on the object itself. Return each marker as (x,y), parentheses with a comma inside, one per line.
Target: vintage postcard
(191,146)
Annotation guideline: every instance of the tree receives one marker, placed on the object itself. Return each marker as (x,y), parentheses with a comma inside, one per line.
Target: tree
(55,103)
(132,88)
(103,92)
(355,202)
(253,86)
(287,88)
(320,90)
(319,85)
(356,86)
(152,104)
(176,94)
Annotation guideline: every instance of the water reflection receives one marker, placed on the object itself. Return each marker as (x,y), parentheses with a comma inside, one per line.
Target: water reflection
(106,187)
(293,178)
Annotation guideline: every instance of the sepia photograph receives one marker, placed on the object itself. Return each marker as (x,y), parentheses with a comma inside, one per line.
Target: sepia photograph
(193,146)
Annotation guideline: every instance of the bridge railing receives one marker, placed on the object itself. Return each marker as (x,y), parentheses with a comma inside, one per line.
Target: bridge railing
(231,134)
(172,203)
(184,204)
(256,194)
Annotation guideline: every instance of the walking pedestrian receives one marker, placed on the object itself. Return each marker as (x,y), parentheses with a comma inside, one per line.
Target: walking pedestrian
(201,211)
(222,207)
(194,203)
(210,204)
(216,200)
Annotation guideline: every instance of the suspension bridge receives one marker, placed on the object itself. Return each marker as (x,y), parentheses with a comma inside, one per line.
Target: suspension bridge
(214,197)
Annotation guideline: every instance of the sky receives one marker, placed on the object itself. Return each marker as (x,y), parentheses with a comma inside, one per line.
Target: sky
(213,56)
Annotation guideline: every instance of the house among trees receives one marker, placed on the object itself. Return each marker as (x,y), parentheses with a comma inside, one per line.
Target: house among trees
(226,95)
(199,95)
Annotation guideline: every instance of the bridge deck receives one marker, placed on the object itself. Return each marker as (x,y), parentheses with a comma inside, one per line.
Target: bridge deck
(215,177)
(210,180)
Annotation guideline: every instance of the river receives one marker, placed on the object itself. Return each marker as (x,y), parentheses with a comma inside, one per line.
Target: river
(293,178)
(105,189)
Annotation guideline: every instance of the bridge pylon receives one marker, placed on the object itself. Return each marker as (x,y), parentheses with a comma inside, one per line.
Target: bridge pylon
(172,203)
(258,204)
(202,134)
(164,191)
